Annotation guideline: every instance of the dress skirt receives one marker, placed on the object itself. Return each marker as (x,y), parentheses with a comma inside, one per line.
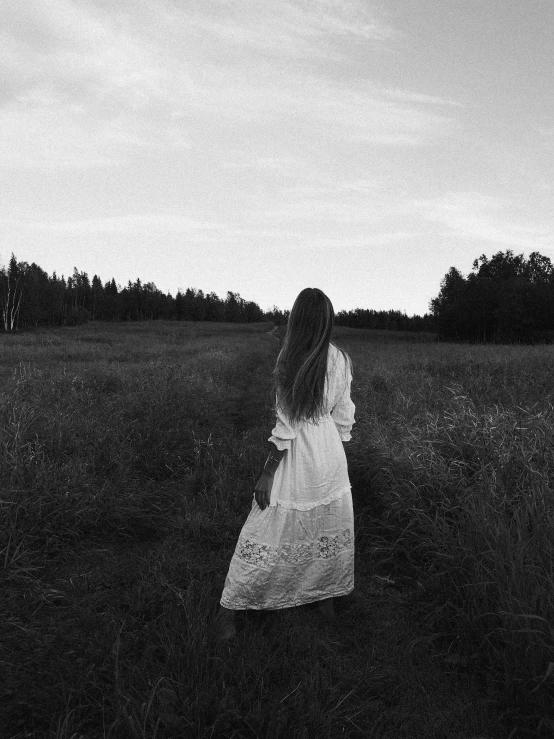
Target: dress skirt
(287,557)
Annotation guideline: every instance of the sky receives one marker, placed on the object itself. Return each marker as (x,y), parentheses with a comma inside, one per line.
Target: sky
(263,147)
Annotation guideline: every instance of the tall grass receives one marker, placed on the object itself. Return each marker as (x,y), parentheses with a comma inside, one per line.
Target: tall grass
(128,456)
(456,443)
(112,439)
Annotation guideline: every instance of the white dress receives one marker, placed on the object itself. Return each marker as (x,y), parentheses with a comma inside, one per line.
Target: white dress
(300,548)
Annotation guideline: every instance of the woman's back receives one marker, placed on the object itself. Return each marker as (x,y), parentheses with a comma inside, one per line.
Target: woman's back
(314,470)
(339,377)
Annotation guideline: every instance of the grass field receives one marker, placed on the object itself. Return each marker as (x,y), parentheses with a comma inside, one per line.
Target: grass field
(128,454)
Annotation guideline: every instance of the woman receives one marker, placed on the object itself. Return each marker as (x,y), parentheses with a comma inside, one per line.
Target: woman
(297,545)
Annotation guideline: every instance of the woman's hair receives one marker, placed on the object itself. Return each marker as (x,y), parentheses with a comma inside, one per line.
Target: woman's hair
(301,367)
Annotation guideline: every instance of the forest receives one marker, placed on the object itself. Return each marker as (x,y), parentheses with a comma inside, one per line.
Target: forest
(30,298)
(384,320)
(505,299)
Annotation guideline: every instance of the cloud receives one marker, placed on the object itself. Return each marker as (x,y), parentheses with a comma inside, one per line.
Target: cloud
(130,224)
(309,110)
(295,65)
(485,218)
(39,133)
(82,88)
(283,165)
(297,241)
(86,85)
(415,97)
(544,130)
(299,29)
(365,114)
(333,211)
(78,52)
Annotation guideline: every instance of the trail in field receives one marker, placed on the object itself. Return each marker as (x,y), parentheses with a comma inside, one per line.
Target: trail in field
(399,686)
(252,400)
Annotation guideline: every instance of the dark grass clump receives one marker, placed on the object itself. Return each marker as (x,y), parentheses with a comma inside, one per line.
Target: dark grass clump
(455,446)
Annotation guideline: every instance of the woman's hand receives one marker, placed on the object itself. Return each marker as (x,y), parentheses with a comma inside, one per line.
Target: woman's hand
(262,491)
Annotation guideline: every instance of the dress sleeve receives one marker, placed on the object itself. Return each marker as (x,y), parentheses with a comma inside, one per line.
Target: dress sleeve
(343,410)
(283,433)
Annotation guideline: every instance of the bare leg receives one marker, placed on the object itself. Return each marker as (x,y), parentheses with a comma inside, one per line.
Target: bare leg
(224,624)
(326,609)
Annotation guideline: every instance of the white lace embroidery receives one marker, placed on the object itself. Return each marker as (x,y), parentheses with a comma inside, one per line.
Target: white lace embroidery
(324,547)
(294,504)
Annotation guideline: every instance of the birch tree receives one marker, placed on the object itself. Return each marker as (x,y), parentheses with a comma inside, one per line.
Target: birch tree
(11,291)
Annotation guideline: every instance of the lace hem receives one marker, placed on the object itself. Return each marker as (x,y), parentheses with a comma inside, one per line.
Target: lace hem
(276,604)
(263,555)
(308,506)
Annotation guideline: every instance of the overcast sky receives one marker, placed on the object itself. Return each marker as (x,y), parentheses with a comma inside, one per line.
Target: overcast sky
(266,146)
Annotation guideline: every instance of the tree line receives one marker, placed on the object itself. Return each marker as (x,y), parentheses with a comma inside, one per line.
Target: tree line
(384,320)
(506,298)
(29,297)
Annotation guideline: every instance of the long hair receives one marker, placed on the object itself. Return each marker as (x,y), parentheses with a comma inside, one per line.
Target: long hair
(301,367)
